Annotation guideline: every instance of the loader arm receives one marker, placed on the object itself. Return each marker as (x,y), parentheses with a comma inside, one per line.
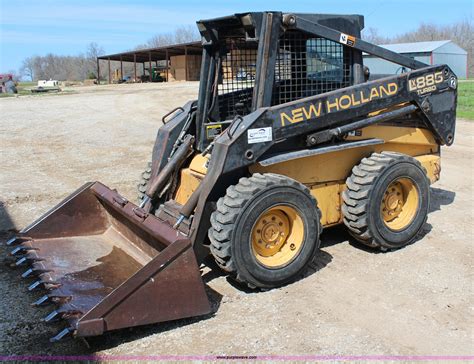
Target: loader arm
(300,23)
(237,149)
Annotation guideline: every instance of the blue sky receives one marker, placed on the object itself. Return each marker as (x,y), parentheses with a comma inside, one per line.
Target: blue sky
(65,27)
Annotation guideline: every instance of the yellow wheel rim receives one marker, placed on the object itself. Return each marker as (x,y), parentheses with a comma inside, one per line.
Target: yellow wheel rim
(399,204)
(277,236)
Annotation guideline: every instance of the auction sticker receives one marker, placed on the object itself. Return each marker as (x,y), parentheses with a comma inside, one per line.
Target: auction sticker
(259,135)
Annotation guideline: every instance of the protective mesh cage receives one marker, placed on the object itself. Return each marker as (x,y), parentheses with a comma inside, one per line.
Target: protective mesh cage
(308,65)
(237,78)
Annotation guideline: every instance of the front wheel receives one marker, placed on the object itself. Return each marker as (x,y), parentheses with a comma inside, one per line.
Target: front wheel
(265,231)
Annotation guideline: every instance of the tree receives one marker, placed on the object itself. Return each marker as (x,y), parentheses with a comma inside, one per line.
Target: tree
(182,34)
(186,34)
(372,35)
(62,68)
(28,68)
(93,51)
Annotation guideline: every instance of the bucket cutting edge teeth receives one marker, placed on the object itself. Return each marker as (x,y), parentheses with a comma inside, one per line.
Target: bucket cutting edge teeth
(10,242)
(35,271)
(51,316)
(17,240)
(20,261)
(35,285)
(17,250)
(40,301)
(27,273)
(22,249)
(61,334)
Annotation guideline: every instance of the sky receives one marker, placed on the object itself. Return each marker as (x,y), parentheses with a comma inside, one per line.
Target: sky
(66,27)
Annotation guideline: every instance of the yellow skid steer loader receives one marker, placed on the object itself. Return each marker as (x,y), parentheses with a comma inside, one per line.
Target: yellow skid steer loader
(290,133)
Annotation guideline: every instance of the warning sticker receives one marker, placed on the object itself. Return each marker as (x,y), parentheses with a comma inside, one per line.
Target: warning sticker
(259,135)
(348,40)
(213,130)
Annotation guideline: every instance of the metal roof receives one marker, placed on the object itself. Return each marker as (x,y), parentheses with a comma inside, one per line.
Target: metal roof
(155,54)
(415,47)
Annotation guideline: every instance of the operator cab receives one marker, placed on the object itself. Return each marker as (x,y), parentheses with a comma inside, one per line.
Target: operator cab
(254,60)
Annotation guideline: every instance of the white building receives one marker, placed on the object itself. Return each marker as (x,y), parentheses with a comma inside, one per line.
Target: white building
(431,53)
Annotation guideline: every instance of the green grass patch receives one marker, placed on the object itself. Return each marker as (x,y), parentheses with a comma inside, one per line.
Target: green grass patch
(466,100)
(23,88)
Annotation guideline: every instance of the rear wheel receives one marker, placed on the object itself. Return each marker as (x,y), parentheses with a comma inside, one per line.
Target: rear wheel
(265,231)
(387,200)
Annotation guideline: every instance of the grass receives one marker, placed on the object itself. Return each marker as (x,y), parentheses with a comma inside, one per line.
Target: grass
(24,88)
(466,100)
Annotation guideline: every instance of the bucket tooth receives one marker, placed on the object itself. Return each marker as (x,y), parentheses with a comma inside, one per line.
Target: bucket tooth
(35,285)
(41,301)
(20,261)
(34,271)
(53,315)
(17,240)
(61,334)
(17,250)
(11,241)
(21,249)
(27,273)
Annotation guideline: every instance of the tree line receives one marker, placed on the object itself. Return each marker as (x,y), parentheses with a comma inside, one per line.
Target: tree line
(62,68)
(84,66)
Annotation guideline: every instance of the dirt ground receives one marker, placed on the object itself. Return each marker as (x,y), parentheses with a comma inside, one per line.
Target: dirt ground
(415,301)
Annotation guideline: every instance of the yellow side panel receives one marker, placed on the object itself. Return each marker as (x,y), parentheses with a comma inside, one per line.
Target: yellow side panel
(432,164)
(337,166)
(396,134)
(328,196)
(334,166)
(199,164)
(191,177)
(188,183)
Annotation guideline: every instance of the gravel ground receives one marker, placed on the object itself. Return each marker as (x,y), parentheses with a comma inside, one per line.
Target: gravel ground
(415,301)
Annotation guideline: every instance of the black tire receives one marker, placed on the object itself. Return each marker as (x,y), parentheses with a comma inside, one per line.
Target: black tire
(143,184)
(366,189)
(233,222)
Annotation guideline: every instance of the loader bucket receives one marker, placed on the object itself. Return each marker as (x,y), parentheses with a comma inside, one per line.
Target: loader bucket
(105,264)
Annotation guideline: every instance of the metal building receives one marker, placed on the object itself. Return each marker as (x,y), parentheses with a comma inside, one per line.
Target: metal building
(436,52)
(177,62)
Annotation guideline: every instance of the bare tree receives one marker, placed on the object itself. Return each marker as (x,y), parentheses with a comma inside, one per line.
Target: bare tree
(28,68)
(62,68)
(160,40)
(182,34)
(372,35)
(186,34)
(93,51)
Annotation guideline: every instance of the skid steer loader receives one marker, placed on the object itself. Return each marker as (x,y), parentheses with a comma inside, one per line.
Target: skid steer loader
(250,173)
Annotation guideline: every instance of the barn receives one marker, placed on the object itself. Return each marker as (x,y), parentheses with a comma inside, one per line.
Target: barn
(435,52)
